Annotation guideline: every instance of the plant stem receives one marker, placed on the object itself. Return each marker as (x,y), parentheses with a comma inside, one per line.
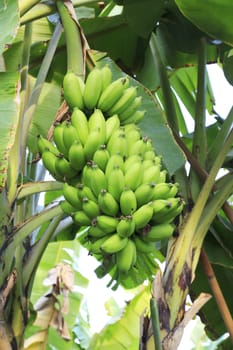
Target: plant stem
(39,85)
(74,39)
(31,188)
(169,105)
(44,9)
(183,252)
(26,228)
(223,308)
(199,147)
(220,138)
(199,137)
(155,324)
(210,211)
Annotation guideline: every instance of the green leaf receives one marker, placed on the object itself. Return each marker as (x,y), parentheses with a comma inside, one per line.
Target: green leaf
(125,333)
(114,36)
(214,17)
(9,19)
(142,16)
(9,116)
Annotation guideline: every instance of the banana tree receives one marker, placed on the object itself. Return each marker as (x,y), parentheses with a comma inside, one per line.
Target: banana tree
(164,50)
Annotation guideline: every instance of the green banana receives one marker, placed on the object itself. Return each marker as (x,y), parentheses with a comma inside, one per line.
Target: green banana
(93,88)
(124,101)
(116,183)
(67,207)
(58,138)
(93,142)
(73,90)
(63,168)
(71,195)
(162,190)
(162,176)
(174,190)
(69,135)
(130,161)
(148,163)
(151,174)
(159,232)
(132,135)
(131,109)
(107,203)
(112,93)
(112,124)
(128,202)
(101,157)
(96,122)
(114,244)
(106,223)
(76,156)
(81,219)
(142,216)
(98,180)
(90,208)
(137,147)
(149,155)
(136,118)
(160,207)
(85,191)
(115,161)
(126,258)
(134,175)
(106,76)
(95,232)
(79,121)
(86,174)
(144,193)
(118,145)
(173,208)
(49,160)
(143,246)
(44,144)
(95,247)
(126,226)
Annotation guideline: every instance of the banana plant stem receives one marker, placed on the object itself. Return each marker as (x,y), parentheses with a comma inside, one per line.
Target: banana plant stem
(74,38)
(31,188)
(155,324)
(180,268)
(26,228)
(199,138)
(220,138)
(39,85)
(45,9)
(169,105)
(217,293)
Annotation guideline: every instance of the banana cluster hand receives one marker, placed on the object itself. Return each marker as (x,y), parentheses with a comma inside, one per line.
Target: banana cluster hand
(114,182)
(99,91)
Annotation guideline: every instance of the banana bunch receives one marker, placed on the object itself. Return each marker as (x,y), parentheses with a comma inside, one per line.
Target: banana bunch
(114,183)
(123,197)
(99,91)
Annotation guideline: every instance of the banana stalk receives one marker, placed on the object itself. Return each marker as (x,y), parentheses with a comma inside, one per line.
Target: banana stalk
(75,40)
